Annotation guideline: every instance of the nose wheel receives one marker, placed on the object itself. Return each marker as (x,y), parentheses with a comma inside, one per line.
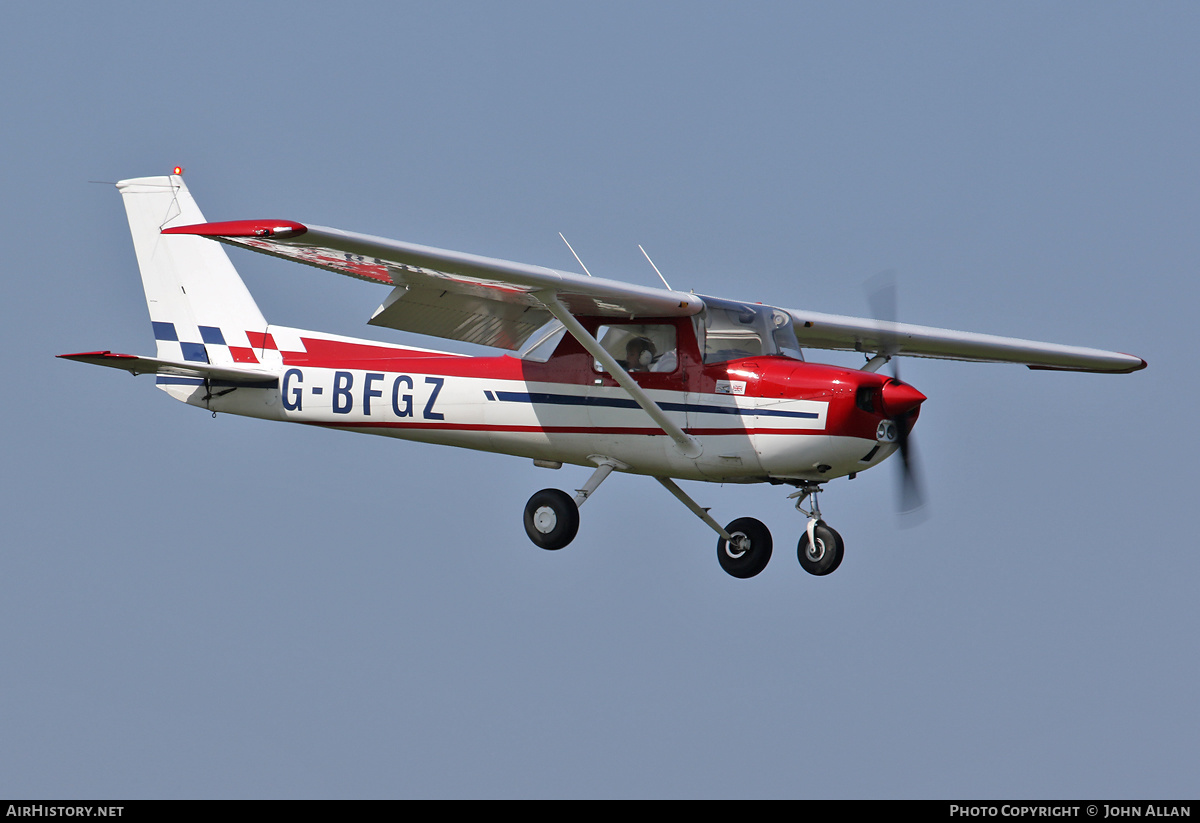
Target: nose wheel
(820,548)
(823,554)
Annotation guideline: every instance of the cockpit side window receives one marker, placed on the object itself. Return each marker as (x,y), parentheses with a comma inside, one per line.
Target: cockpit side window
(542,343)
(640,347)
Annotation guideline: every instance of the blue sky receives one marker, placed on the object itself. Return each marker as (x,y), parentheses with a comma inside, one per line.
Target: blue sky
(198,607)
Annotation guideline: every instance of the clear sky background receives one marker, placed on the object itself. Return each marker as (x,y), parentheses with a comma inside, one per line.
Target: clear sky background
(199,607)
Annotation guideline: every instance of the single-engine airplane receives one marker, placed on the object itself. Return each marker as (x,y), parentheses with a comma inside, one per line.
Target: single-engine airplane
(611,376)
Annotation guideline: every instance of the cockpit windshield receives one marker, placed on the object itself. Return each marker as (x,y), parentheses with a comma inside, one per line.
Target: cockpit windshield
(733,330)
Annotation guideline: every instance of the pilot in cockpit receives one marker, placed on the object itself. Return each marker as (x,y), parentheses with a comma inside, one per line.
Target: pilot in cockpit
(639,354)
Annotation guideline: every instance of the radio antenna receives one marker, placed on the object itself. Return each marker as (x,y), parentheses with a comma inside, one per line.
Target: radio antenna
(580,262)
(656,271)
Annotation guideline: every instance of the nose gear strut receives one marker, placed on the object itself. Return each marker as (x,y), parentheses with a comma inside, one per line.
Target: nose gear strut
(814,513)
(820,548)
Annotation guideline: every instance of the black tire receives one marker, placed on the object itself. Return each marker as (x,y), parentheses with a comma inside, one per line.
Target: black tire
(551,519)
(754,558)
(828,554)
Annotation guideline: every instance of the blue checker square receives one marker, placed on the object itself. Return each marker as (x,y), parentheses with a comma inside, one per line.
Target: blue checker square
(194,352)
(211,334)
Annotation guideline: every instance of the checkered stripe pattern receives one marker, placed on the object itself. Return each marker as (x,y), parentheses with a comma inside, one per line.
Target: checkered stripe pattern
(212,346)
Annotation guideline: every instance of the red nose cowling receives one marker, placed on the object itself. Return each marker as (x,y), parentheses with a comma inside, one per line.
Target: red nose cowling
(900,398)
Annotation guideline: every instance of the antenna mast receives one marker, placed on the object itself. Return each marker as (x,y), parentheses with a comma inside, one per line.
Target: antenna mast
(577,260)
(656,271)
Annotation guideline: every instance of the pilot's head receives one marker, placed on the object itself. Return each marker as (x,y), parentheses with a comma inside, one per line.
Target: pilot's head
(639,353)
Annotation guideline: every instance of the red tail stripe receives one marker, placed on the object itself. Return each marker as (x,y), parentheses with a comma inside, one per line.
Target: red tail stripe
(261,341)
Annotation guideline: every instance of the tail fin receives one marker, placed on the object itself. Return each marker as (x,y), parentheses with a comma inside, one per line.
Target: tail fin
(200,308)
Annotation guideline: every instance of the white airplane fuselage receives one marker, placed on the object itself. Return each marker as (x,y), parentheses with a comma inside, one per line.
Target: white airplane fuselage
(757,419)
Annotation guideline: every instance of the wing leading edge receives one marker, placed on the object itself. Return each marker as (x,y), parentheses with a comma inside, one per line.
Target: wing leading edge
(831,331)
(500,303)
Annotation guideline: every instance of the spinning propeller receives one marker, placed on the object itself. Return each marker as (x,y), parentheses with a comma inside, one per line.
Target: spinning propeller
(900,400)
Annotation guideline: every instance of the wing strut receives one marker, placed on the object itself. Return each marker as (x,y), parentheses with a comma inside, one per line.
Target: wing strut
(688,446)
(695,508)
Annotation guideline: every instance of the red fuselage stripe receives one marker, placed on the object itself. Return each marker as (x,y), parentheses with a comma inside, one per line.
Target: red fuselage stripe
(467,427)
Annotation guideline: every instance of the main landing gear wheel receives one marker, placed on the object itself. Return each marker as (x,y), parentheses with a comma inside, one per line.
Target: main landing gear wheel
(551,519)
(749,551)
(825,556)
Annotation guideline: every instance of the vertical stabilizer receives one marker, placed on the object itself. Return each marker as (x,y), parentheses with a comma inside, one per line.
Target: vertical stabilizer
(199,307)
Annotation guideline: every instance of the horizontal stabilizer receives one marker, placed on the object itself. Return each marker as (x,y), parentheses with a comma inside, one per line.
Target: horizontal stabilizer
(136,364)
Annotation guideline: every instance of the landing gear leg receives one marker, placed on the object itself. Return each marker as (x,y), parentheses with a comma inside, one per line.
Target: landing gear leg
(604,467)
(744,547)
(820,548)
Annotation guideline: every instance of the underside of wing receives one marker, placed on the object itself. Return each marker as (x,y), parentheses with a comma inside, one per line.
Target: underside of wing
(458,316)
(831,331)
(445,293)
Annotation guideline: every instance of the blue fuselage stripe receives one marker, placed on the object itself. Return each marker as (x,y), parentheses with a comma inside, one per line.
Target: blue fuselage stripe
(547,399)
(173,380)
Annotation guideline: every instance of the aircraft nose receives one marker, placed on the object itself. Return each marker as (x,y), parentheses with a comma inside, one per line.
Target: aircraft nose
(900,398)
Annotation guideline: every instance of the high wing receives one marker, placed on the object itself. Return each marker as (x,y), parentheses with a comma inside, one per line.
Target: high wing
(832,331)
(499,303)
(446,293)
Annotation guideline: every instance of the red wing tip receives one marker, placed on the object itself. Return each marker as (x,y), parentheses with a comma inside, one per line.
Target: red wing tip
(96,354)
(276,229)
